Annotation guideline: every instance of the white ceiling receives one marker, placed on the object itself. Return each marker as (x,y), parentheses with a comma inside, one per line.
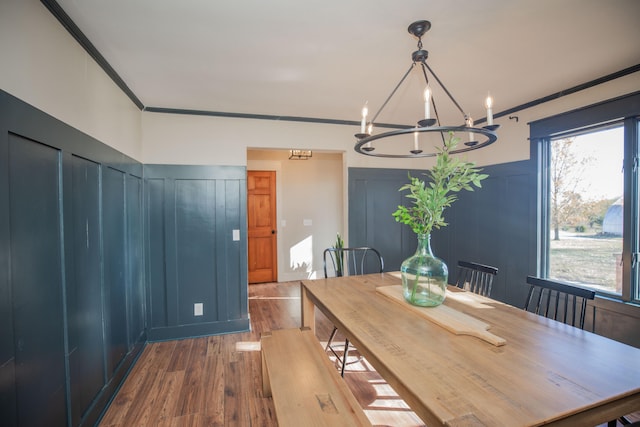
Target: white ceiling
(324,59)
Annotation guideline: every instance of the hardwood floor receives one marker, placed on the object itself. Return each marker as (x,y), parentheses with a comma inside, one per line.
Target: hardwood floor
(216,380)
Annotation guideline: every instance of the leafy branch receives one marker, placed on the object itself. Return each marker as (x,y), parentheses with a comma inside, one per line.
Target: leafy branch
(449,176)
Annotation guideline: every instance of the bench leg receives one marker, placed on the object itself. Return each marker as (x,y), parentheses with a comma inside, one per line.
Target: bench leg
(307,310)
(266,383)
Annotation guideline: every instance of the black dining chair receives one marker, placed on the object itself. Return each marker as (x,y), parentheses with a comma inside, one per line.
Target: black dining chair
(566,303)
(624,421)
(474,277)
(558,300)
(340,262)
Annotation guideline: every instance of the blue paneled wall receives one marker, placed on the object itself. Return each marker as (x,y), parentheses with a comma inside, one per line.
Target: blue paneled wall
(98,254)
(492,225)
(71,264)
(191,254)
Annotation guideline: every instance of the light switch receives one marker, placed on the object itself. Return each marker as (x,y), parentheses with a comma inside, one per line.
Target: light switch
(307,222)
(236,235)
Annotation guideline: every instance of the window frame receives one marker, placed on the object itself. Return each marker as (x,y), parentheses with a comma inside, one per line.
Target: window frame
(625,111)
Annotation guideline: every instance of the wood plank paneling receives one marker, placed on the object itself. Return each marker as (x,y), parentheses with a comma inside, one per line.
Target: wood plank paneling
(155,253)
(8,398)
(36,281)
(194,253)
(113,194)
(84,285)
(135,260)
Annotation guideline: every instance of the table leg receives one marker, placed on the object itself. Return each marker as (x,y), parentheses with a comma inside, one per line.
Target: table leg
(308,310)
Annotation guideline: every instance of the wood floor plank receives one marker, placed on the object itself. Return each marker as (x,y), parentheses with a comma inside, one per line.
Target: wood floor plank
(261,411)
(125,397)
(139,412)
(213,346)
(214,384)
(180,355)
(235,412)
(191,420)
(191,399)
(168,393)
(162,353)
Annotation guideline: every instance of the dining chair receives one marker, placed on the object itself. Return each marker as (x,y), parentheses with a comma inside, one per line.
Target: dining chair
(558,300)
(474,277)
(624,421)
(566,303)
(340,262)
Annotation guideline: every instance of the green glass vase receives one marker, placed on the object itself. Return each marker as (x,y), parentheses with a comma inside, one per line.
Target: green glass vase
(424,276)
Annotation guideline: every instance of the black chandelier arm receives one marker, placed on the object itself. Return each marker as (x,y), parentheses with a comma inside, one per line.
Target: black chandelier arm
(392,93)
(363,145)
(445,89)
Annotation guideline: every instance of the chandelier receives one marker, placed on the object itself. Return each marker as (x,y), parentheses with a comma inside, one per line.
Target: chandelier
(472,137)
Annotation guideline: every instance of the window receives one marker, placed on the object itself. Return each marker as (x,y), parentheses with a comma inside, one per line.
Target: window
(586,189)
(588,196)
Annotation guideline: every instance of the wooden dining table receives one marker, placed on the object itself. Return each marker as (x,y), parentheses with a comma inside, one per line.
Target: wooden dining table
(523,370)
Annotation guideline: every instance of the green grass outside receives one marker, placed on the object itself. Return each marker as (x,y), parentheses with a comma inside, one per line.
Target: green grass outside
(585,258)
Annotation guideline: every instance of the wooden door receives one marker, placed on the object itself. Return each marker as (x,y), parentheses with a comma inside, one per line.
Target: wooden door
(261,218)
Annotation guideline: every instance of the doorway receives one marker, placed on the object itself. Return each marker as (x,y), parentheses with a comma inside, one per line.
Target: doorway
(262,227)
(309,206)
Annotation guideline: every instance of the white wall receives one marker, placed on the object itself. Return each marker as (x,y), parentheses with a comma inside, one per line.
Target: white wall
(44,66)
(513,142)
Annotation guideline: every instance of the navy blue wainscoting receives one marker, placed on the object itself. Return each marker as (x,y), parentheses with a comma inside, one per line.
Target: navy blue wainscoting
(84,283)
(37,281)
(491,225)
(72,300)
(192,257)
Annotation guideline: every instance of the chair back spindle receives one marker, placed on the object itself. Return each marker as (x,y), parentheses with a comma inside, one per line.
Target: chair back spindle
(558,300)
(352,261)
(474,277)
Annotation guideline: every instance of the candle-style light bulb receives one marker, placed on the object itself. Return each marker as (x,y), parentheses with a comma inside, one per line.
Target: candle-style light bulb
(488,103)
(427,102)
(468,121)
(369,132)
(415,141)
(363,123)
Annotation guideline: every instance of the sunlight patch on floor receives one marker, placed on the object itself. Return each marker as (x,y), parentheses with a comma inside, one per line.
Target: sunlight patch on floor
(248,346)
(393,418)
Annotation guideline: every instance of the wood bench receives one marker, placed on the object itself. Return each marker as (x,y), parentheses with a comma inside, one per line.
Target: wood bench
(306,388)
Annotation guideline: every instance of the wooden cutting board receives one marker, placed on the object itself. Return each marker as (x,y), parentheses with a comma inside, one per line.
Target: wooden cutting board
(446,317)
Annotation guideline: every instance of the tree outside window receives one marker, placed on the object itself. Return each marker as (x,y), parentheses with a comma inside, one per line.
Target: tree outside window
(586,186)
